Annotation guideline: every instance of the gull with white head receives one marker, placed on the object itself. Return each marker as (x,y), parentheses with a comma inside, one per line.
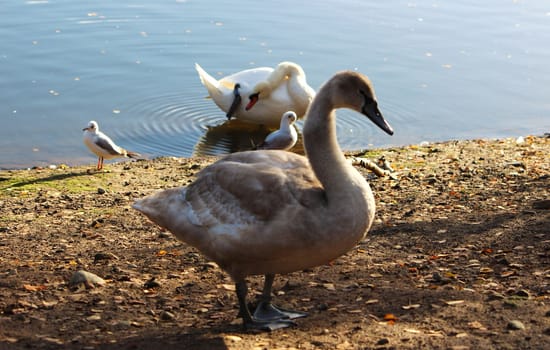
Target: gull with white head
(102,145)
(285,137)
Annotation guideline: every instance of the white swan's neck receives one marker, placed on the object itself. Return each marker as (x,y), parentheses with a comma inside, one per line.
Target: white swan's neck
(283,72)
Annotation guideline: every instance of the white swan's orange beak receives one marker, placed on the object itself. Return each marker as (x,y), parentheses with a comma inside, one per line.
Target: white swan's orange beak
(253,99)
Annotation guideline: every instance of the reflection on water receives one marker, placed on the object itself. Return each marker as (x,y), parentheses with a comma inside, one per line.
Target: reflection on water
(234,136)
(230,136)
(130,66)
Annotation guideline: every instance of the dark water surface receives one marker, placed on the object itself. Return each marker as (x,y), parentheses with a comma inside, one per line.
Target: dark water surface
(442,70)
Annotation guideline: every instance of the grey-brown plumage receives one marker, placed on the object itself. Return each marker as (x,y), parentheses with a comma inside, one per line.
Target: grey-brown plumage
(273,212)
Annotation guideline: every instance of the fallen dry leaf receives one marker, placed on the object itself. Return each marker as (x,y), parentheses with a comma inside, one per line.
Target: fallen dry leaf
(162,253)
(32,288)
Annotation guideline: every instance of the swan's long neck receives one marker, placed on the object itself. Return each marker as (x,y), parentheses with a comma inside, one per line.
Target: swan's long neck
(277,77)
(324,153)
(294,73)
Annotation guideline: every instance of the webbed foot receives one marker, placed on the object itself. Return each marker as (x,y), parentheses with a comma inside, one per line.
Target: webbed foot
(268,325)
(266,311)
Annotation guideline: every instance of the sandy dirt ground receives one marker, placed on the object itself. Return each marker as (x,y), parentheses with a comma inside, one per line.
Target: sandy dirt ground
(458,258)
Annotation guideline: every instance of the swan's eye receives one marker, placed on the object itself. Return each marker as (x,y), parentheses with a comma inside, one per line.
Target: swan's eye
(367,99)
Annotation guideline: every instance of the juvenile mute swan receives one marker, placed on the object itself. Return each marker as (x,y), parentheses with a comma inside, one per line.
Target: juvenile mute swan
(274,212)
(285,137)
(102,145)
(274,91)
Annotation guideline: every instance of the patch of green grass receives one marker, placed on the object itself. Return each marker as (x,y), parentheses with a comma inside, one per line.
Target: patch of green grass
(69,181)
(371,154)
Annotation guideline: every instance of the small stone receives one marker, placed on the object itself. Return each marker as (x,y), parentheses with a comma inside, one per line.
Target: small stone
(515,325)
(493,295)
(167,316)
(101,190)
(522,293)
(383,341)
(94,318)
(520,140)
(233,338)
(210,265)
(165,235)
(88,279)
(104,256)
(151,284)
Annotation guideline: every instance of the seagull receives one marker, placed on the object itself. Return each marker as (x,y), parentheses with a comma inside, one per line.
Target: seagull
(285,138)
(102,145)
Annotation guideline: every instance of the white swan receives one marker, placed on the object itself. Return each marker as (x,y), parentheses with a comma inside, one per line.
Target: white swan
(274,212)
(274,91)
(102,145)
(285,137)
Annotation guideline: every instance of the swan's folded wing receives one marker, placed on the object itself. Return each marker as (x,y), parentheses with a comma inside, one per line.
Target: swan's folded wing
(246,190)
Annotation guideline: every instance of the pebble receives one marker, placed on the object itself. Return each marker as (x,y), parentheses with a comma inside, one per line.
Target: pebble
(233,338)
(101,190)
(151,283)
(104,256)
(493,295)
(165,234)
(520,140)
(167,316)
(89,279)
(522,293)
(515,325)
(383,341)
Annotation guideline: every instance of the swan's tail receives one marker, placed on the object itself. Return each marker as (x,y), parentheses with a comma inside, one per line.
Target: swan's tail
(206,79)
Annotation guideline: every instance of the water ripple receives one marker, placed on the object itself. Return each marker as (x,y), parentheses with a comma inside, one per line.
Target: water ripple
(176,124)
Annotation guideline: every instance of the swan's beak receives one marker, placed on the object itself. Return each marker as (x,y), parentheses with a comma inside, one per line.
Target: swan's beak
(236,102)
(253,99)
(373,113)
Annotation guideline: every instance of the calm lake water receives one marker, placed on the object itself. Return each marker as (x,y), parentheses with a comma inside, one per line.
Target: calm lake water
(442,69)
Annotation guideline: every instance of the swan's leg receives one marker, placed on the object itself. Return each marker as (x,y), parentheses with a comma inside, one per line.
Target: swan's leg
(236,102)
(267,311)
(251,322)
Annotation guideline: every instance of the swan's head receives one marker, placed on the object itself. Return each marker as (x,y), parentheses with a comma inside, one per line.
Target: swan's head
(261,90)
(92,126)
(354,90)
